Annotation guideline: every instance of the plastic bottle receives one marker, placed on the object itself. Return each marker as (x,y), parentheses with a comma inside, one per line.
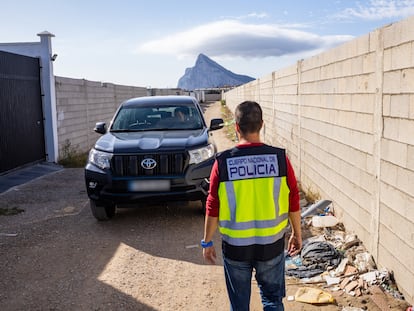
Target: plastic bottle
(324,221)
(316,208)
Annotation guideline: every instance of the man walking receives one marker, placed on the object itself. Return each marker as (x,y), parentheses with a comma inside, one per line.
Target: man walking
(253,195)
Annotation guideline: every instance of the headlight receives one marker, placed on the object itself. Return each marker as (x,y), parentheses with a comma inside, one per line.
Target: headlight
(201,154)
(100,159)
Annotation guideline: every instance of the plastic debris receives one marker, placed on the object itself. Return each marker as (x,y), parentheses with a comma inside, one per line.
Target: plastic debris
(315,279)
(192,246)
(369,277)
(313,296)
(364,262)
(293,262)
(316,258)
(324,221)
(318,207)
(8,234)
(337,258)
(317,238)
(320,253)
(331,280)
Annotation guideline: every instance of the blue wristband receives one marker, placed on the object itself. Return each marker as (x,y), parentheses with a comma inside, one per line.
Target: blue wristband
(205,244)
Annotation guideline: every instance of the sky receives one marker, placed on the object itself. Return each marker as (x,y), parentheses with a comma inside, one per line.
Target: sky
(151,43)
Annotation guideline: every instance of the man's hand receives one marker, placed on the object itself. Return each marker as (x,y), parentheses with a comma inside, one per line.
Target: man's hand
(295,240)
(209,254)
(294,245)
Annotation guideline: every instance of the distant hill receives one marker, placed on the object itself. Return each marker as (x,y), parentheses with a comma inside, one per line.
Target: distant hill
(208,74)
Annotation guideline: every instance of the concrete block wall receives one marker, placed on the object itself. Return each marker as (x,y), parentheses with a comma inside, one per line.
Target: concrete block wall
(396,195)
(81,103)
(346,119)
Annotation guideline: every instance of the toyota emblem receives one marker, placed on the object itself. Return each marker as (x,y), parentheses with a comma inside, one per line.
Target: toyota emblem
(148,164)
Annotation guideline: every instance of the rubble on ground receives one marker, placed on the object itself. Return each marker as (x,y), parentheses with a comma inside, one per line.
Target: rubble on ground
(335,260)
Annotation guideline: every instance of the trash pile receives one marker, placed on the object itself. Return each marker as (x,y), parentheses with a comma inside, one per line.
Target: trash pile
(334,259)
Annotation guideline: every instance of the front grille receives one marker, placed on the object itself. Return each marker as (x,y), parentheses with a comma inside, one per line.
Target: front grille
(167,164)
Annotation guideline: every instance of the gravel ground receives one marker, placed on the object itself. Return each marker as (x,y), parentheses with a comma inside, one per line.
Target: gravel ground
(56,256)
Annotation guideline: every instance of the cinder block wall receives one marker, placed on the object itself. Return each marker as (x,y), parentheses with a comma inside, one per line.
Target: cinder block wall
(81,103)
(346,118)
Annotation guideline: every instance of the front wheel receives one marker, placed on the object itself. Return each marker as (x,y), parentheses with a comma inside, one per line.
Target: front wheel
(102,211)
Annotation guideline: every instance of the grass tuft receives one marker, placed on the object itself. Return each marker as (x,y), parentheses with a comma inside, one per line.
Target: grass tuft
(71,157)
(310,194)
(228,118)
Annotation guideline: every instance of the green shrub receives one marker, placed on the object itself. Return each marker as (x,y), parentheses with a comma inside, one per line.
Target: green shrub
(71,156)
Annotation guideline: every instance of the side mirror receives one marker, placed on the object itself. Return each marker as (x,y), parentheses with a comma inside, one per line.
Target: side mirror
(100,127)
(216,124)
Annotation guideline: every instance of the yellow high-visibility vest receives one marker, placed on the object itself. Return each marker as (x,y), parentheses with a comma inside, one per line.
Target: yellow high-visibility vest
(254,196)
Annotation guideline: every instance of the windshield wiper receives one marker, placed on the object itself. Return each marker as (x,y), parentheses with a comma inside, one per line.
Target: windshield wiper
(161,129)
(126,130)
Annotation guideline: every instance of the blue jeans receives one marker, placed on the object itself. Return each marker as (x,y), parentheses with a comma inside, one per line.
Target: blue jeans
(270,276)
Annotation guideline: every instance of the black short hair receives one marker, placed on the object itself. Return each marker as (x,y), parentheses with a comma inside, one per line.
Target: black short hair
(248,116)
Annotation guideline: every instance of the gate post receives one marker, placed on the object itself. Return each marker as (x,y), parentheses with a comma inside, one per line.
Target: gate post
(48,96)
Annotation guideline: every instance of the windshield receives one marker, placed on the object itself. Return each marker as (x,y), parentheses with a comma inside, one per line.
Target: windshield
(139,118)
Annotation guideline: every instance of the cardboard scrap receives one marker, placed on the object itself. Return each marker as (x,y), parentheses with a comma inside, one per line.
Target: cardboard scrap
(344,282)
(361,283)
(379,298)
(351,286)
(350,270)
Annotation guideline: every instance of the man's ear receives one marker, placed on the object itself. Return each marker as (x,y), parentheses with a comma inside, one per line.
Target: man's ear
(237,128)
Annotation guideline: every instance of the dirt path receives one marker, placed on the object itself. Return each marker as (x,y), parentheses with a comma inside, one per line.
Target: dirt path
(56,256)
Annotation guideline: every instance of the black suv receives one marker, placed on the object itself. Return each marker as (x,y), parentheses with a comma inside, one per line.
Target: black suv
(157,149)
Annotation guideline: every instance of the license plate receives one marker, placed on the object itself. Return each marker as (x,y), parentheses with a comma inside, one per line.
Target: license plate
(149,185)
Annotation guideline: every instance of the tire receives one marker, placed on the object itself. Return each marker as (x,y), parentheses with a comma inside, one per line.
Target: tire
(101,211)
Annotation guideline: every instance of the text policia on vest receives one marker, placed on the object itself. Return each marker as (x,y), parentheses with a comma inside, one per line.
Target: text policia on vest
(252,166)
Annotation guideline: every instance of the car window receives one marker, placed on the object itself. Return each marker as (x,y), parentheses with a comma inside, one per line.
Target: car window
(157,118)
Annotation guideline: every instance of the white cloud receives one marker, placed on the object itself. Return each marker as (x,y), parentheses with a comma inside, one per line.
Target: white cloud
(380,9)
(257,15)
(230,38)
(252,15)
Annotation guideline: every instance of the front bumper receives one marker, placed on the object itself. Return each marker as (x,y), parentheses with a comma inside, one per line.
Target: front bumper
(190,186)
